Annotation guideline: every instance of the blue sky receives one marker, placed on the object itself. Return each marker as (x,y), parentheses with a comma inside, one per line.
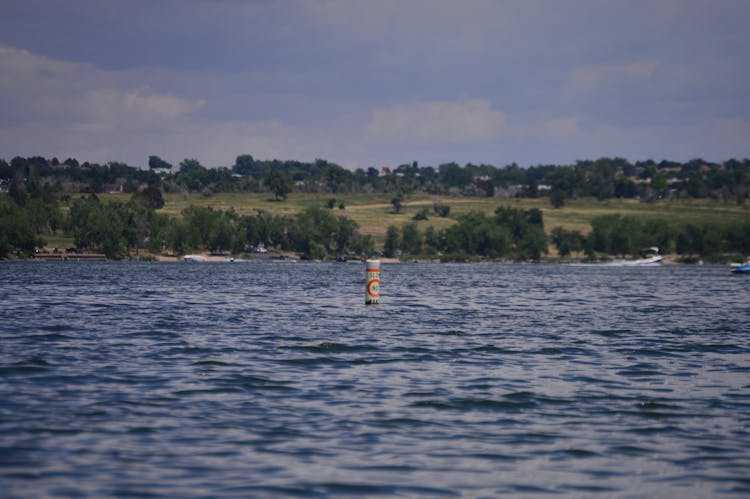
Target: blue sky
(375,83)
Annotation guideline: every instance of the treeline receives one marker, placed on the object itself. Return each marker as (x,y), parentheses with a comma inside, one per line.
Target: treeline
(515,234)
(509,234)
(37,187)
(628,236)
(118,229)
(602,178)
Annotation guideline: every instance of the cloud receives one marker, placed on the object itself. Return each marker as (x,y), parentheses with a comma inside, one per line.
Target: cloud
(594,77)
(364,83)
(61,108)
(41,89)
(471,120)
(213,143)
(137,107)
(568,141)
(67,109)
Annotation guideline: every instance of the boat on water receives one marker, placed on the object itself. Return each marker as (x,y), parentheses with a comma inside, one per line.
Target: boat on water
(741,268)
(193,258)
(650,257)
(213,259)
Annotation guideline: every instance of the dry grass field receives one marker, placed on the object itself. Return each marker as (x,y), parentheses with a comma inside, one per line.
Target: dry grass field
(374,212)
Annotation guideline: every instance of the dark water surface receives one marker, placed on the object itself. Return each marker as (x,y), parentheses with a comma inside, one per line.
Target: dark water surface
(267,380)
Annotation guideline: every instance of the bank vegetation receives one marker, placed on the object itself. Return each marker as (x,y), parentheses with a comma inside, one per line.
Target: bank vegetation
(588,211)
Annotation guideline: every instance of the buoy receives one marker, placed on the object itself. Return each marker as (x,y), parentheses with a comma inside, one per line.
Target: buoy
(372,290)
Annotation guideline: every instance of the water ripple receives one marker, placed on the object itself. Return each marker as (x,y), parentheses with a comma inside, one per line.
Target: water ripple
(269,380)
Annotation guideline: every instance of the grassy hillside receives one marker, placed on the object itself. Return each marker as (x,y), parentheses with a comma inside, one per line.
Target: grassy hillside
(374,212)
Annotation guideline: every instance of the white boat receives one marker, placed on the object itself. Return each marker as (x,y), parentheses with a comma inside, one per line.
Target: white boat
(193,258)
(651,257)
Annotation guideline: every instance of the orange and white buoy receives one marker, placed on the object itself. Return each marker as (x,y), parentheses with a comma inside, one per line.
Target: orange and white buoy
(372,272)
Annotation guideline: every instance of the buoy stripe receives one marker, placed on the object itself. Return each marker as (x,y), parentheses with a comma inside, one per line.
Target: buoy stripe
(376,293)
(373,270)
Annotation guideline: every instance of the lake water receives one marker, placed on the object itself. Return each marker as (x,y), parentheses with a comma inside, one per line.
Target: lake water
(274,379)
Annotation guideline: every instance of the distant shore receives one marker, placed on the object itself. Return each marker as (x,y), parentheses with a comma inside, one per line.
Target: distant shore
(48,254)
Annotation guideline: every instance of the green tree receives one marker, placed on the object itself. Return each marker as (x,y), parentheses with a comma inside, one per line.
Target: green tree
(16,230)
(18,191)
(602,179)
(392,241)
(337,179)
(422,214)
(346,235)
(657,233)
(411,239)
(624,235)
(604,229)
(363,245)
(317,228)
(244,164)
(6,171)
(222,234)
(557,197)
(398,203)
(279,182)
(159,230)
(567,241)
(477,234)
(43,218)
(176,237)
(315,250)
(533,244)
(526,228)
(486,186)
(659,185)
(452,175)
(738,237)
(100,226)
(431,241)
(565,182)
(199,226)
(151,197)
(531,188)
(155,162)
(701,239)
(442,210)
(138,218)
(625,188)
(192,174)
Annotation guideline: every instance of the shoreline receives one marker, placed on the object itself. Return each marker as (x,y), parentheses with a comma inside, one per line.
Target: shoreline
(55,254)
(207,257)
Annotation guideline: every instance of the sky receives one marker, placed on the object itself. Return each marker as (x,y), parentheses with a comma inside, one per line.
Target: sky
(375,82)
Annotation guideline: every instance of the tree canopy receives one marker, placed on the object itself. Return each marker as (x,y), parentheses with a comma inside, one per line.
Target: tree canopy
(35,189)
(603,178)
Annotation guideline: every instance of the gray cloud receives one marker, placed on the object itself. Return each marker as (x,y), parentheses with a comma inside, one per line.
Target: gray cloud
(437,121)
(380,82)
